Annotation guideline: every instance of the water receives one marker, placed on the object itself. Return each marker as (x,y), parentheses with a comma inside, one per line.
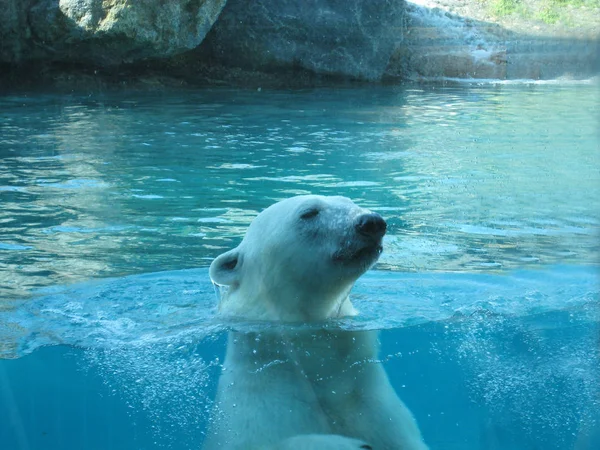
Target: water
(113,206)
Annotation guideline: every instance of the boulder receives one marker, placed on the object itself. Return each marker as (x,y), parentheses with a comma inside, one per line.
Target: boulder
(351,38)
(102,32)
(459,39)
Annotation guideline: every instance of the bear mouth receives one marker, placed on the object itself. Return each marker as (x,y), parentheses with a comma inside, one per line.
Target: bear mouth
(363,255)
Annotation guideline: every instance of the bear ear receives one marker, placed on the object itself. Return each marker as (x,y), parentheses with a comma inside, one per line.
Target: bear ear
(225,269)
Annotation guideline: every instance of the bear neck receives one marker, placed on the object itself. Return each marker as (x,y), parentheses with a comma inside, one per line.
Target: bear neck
(286,307)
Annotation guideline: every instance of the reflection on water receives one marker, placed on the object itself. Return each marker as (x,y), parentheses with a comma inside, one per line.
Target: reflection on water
(470,178)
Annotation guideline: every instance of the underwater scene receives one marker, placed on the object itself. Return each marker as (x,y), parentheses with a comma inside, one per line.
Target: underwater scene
(485,299)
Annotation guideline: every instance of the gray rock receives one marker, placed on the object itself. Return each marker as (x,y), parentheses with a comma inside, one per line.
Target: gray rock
(353,38)
(440,44)
(103,32)
(13,29)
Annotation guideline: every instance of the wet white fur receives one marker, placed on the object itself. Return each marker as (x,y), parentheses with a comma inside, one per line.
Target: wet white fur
(286,387)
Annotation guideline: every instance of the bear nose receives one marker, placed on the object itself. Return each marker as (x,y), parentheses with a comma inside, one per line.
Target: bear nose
(371,225)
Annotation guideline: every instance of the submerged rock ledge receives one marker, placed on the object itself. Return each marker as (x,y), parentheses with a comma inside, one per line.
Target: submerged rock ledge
(281,43)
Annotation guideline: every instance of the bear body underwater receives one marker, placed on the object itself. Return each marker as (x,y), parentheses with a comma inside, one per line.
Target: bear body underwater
(300,382)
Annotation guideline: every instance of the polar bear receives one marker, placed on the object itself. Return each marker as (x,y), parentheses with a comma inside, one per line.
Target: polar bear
(294,379)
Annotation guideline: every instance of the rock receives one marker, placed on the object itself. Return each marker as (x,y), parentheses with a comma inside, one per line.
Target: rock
(103,32)
(13,29)
(294,40)
(352,38)
(439,44)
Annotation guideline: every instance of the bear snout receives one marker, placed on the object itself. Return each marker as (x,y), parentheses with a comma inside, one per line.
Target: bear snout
(370,225)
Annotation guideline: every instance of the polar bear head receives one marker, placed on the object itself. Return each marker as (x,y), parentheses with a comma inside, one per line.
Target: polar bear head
(299,260)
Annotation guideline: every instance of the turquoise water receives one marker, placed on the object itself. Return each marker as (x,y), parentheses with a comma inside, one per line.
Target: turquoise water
(487,293)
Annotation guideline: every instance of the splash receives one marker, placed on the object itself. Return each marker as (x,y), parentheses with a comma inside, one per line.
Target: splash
(171,382)
(516,369)
(166,307)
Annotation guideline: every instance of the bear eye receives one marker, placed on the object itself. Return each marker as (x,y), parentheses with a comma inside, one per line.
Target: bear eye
(310,213)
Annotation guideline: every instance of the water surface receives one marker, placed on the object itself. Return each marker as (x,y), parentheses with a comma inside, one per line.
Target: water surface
(469,178)
(487,294)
